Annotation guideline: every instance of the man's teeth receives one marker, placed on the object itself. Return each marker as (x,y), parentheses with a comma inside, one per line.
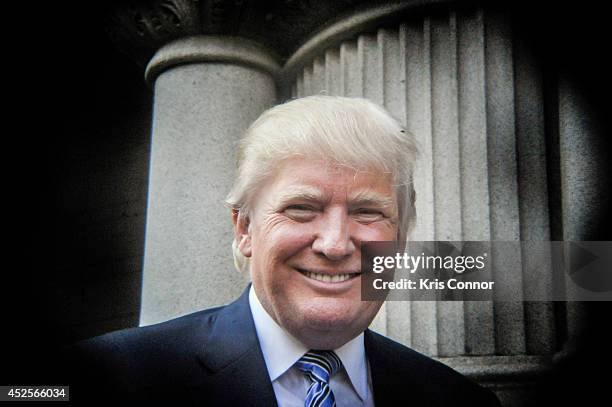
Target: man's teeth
(326,278)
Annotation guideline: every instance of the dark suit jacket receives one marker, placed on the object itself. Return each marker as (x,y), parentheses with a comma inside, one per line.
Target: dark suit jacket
(213,358)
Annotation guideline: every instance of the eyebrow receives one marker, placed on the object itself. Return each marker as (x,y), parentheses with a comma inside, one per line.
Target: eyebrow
(371,198)
(361,198)
(303,192)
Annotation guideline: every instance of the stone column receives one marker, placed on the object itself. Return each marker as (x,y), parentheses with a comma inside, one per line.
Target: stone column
(208,90)
(582,184)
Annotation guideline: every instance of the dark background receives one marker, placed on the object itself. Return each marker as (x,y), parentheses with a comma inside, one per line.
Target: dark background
(76,144)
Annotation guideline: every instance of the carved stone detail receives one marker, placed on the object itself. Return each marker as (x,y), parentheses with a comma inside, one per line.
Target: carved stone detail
(139,28)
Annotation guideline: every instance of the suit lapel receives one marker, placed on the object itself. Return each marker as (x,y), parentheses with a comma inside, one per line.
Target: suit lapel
(389,379)
(235,370)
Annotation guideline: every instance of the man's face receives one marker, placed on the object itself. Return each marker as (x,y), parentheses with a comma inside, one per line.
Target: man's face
(303,239)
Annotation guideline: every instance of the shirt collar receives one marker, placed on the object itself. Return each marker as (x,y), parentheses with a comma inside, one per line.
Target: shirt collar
(352,355)
(281,350)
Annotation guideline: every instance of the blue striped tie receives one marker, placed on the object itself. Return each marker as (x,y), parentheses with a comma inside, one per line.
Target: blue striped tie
(319,366)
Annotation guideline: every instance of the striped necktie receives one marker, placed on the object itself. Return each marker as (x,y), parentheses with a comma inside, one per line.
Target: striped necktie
(319,366)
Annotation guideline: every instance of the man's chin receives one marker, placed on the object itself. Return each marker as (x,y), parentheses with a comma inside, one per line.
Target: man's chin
(331,313)
(328,324)
(327,334)
(327,330)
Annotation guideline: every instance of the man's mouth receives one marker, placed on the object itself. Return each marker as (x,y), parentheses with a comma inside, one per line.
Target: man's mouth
(328,278)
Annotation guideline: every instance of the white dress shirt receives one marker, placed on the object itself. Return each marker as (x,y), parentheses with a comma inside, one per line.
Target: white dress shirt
(352,385)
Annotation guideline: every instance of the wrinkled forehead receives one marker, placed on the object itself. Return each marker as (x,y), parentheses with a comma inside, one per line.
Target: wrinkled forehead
(320,179)
(330,168)
(315,165)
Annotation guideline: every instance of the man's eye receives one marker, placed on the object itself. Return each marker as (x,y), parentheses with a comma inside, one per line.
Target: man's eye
(369,215)
(299,208)
(300,211)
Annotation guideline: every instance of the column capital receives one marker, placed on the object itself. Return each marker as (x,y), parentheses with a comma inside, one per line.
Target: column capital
(140,28)
(209,48)
(357,21)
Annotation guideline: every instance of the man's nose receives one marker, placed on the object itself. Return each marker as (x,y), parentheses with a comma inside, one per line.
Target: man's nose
(333,238)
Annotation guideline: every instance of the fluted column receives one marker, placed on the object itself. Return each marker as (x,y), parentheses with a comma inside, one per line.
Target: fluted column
(472,96)
(583,178)
(207,91)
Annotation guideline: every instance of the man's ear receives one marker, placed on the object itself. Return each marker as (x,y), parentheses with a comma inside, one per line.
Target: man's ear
(242,231)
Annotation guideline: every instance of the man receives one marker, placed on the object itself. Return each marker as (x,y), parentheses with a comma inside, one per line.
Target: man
(316,177)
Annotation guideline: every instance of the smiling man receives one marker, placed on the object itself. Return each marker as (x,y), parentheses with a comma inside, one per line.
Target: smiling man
(316,177)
